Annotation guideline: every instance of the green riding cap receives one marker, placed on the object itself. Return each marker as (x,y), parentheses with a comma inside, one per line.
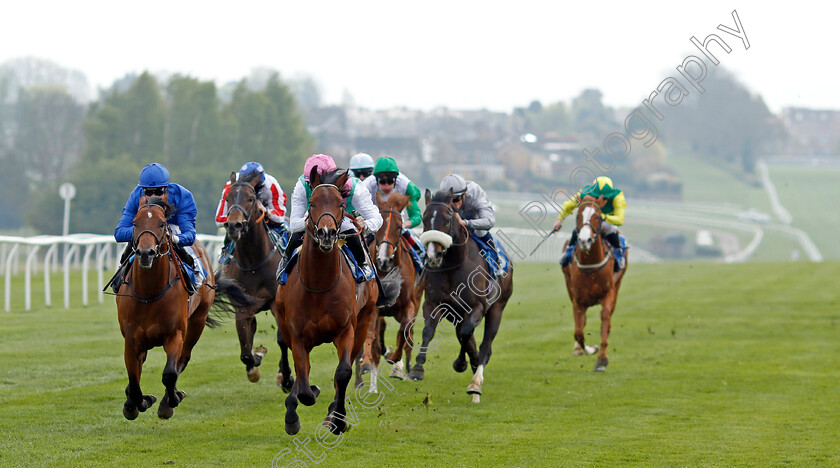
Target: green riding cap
(385,164)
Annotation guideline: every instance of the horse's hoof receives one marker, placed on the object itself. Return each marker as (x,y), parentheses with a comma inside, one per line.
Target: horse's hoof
(473,389)
(315,389)
(130,413)
(397,373)
(416,375)
(284,384)
(476,398)
(601,364)
(293,428)
(367,368)
(164,410)
(254,374)
(460,365)
(259,353)
(148,401)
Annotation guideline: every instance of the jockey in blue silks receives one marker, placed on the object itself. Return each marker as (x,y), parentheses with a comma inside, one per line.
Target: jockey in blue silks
(154,180)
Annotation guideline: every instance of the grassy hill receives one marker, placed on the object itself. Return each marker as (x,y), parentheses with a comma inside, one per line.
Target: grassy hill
(710,365)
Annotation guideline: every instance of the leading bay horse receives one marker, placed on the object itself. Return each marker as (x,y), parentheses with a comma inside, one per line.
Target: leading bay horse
(391,255)
(253,265)
(321,302)
(460,289)
(154,309)
(590,279)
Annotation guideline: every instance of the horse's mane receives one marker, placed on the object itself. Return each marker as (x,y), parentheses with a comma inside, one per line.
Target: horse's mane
(248,177)
(156,200)
(443,196)
(332,177)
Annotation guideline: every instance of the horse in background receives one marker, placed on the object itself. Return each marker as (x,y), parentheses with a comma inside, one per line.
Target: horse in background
(321,302)
(253,265)
(154,308)
(459,288)
(391,258)
(590,279)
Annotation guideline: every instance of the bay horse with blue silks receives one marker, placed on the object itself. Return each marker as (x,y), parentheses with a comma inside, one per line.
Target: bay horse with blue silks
(154,308)
(391,257)
(590,279)
(459,289)
(253,265)
(321,302)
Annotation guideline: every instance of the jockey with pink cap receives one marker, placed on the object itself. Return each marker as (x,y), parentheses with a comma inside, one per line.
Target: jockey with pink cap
(358,200)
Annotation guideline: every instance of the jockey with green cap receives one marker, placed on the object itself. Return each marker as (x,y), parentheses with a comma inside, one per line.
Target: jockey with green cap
(388,179)
(612,203)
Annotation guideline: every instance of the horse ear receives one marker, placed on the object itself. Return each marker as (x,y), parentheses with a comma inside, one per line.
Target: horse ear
(342,179)
(401,201)
(451,194)
(428,196)
(314,177)
(378,199)
(232,177)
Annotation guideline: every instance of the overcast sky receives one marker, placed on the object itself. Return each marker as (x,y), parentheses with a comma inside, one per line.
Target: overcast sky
(423,54)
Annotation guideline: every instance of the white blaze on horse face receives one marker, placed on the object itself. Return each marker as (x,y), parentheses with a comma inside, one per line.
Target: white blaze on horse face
(149,213)
(383,252)
(586,231)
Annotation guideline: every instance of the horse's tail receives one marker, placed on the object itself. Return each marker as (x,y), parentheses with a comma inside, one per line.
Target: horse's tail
(230,296)
(391,286)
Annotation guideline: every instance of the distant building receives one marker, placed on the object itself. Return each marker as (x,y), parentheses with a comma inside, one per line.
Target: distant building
(811,132)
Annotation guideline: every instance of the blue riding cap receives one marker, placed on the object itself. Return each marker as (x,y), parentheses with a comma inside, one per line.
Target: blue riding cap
(154,175)
(252,168)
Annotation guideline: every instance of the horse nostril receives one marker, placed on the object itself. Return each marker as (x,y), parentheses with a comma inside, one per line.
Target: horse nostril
(238,225)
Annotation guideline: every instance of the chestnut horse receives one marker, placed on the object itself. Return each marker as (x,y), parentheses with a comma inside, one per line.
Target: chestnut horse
(590,279)
(321,303)
(390,253)
(459,288)
(154,308)
(253,265)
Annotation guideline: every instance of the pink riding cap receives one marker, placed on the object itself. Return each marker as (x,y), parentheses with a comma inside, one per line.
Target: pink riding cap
(325,164)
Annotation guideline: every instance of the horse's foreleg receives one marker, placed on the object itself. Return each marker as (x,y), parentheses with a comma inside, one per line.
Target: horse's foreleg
(172,397)
(608,305)
(284,373)
(246,327)
(429,327)
(465,330)
(337,413)
(579,313)
(195,327)
(135,400)
(371,348)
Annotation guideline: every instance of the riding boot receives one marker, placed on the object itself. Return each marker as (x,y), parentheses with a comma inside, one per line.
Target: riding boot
(613,239)
(122,270)
(567,256)
(500,262)
(354,243)
(294,242)
(193,262)
(417,252)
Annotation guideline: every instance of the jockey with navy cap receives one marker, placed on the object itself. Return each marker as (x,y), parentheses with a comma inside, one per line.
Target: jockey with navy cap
(475,210)
(269,194)
(154,181)
(361,166)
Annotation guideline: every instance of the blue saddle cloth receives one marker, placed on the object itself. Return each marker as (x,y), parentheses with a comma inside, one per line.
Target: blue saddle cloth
(358,274)
(489,253)
(280,236)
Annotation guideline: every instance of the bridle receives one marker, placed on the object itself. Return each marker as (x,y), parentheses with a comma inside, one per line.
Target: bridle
(312,226)
(385,241)
(596,233)
(247,226)
(451,215)
(159,241)
(237,206)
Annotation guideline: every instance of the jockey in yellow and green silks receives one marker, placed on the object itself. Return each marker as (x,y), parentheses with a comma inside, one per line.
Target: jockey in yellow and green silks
(612,203)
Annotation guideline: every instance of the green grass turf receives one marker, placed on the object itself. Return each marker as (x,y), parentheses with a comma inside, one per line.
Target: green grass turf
(710,365)
(811,194)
